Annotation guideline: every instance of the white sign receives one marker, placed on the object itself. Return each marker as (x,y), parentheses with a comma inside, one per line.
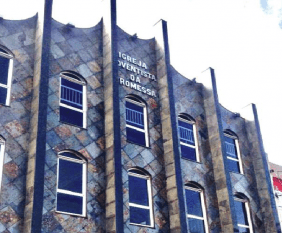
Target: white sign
(137,67)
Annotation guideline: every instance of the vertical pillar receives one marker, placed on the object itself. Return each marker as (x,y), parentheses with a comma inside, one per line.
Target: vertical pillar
(264,185)
(37,144)
(114,194)
(216,140)
(175,190)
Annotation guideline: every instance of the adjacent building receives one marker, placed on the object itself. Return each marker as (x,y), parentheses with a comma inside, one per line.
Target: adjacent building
(276,172)
(99,133)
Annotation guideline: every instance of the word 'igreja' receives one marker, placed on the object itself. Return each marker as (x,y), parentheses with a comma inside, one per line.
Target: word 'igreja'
(133,68)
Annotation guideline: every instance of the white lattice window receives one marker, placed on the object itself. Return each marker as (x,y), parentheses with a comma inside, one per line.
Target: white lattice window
(140,198)
(6,67)
(232,152)
(243,215)
(136,121)
(195,207)
(71,184)
(188,137)
(73,102)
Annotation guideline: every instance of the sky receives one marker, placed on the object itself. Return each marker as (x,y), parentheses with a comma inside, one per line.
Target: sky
(240,39)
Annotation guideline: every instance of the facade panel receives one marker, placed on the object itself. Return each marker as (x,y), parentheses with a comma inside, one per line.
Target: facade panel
(102,134)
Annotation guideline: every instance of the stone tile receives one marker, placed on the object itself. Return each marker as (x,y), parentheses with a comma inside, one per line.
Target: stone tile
(56,51)
(52,138)
(84,138)
(14,128)
(75,44)
(84,70)
(93,150)
(147,155)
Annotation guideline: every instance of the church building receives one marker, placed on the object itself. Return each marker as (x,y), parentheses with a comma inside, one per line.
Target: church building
(99,133)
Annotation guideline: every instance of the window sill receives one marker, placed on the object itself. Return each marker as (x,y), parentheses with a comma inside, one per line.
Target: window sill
(237,173)
(141,225)
(71,214)
(191,160)
(148,147)
(66,123)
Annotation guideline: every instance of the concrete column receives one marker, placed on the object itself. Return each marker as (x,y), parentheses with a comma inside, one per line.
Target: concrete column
(114,194)
(37,144)
(175,191)
(216,140)
(264,185)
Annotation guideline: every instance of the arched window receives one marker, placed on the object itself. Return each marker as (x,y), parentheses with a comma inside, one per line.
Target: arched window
(6,67)
(140,198)
(232,152)
(73,103)
(188,138)
(195,207)
(71,183)
(243,215)
(136,120)
(2,154)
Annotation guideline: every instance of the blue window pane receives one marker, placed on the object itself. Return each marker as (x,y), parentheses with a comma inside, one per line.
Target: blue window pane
(4,67)
(69,203)
(186,133)
(193,203)
(241,213)
(139,216)
(233,166)
(3,95)
(188,152)
(71,94)
(138,191)
(70,176)
(244,230)
(196,225)
(71,116)
(134,115)
(135,136)
(230,147)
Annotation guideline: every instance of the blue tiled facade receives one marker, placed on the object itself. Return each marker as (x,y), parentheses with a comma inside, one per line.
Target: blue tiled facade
(116,65)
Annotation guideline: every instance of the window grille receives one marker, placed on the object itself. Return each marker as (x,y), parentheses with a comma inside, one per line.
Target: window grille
(136,121)
(187,138)
(71,95)
(232,152)
(73,104)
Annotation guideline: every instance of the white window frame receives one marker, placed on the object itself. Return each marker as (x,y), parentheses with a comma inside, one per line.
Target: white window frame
(84,97)
(2,155)
(203,205)
(196,147)
(247,207)
(150,198)
(145,130)
(84,181)
(10,73)
(239,160)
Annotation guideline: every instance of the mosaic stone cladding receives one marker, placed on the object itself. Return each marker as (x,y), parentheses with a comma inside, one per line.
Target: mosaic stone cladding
(78,50)
(116,65)
(17,36)
(133,155)
(189,100)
